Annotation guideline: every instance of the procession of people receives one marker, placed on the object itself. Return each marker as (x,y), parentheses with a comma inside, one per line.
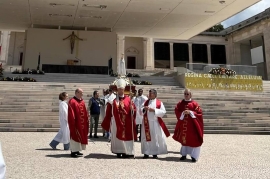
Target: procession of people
(124,117)
(128,118)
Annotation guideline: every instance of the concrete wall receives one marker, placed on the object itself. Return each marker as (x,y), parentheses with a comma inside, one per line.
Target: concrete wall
(134,48)
(16,46)
(245,55)
(95,50)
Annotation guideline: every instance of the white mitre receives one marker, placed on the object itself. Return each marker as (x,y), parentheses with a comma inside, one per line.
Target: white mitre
(121,83)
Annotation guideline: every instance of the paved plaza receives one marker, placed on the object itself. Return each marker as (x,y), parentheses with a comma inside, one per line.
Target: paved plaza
(27,155)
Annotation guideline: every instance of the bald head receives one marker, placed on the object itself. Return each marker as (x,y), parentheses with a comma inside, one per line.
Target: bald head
(79,93)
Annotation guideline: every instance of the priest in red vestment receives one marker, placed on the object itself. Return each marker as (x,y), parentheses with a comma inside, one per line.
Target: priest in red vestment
(78,124)
(120,120)
(189,127)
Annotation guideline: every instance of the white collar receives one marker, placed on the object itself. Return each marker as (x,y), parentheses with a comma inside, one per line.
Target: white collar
(188,100)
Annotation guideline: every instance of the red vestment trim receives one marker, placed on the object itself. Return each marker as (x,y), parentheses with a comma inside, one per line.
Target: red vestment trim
(123,119)
(160,121)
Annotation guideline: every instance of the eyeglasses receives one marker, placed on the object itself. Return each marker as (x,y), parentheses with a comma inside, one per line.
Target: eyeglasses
(186,94)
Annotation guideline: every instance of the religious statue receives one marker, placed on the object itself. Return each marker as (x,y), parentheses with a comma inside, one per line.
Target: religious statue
(121,67)
(72,37)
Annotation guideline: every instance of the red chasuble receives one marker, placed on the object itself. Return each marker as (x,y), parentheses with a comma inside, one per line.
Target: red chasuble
(78,120)
(123,118)
(160,121)
(189,131)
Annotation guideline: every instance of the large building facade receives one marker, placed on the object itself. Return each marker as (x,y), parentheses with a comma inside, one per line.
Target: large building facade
(245,44)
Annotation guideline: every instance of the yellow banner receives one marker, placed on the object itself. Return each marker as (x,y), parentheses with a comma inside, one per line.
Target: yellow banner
(223,82)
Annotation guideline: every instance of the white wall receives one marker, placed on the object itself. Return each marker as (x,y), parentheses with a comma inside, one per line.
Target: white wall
(257,55)
(135,43)
(16,46)
(95,50)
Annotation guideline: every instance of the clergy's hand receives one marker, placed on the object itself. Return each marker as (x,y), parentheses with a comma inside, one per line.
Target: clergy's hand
(146,108)
(151,110)
(187,112)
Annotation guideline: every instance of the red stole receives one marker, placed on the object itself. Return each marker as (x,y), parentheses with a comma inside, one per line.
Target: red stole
(123,119)
(160,121)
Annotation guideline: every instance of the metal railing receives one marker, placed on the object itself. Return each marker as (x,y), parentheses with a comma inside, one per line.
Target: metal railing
(205,68)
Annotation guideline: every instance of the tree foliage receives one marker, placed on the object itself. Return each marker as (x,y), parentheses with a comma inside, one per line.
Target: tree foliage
(216,28)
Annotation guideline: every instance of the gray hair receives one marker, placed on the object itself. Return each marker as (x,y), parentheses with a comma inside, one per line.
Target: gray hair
(153,91)
(188,90)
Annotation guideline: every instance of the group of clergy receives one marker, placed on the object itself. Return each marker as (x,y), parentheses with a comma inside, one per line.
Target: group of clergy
(123,118)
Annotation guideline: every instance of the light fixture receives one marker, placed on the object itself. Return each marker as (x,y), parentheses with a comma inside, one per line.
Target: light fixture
(96,17)
(222,2)
(164,9)
(95,6)
(55,4)
(209,11)
(60,15)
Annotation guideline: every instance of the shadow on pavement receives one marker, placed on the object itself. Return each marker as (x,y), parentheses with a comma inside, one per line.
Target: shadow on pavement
(174,159)
(59,156)
(100,156)
(48,149)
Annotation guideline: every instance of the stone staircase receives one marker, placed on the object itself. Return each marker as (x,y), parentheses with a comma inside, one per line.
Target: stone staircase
(33,106)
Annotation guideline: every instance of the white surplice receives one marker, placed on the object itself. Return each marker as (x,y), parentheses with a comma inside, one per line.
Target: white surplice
(102,110)
(139,101)
(2,165)
(63,135)
(157,145)
(119,146)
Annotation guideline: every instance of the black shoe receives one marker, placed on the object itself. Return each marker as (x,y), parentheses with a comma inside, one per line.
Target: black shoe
(118,155)
(90,136)
(79,153)
(183,158)
(125,156)
(95,136)
(145,156)
(193,159)
(155,156)
(74,154)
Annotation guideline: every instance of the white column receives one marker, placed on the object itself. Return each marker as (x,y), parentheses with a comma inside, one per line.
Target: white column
(209,53)
(5,35)
(190,56)
(171,56)
(148,53)
(120,51)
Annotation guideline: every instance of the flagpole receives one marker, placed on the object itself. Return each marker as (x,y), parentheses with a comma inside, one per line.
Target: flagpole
(132,112)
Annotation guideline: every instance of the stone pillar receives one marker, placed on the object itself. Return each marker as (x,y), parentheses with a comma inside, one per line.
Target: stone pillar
(266,35)
(190,56)
(236,54)
(120,51)
(171,56)
(148,53)
(209,53)
(227,52)
(5,35)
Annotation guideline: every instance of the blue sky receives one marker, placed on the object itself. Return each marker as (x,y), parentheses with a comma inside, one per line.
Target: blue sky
(249,12)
